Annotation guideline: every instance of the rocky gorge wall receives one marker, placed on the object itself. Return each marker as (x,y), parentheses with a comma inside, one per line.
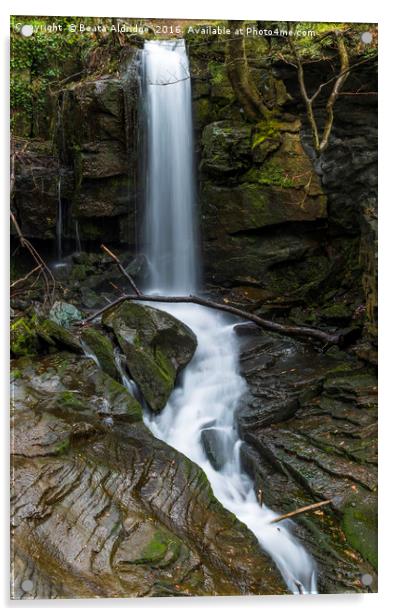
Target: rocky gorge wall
(282,228)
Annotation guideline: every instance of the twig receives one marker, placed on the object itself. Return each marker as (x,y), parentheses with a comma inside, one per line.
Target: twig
(121,268)
(45,271)
(287,330)
(13,284)
(300,510)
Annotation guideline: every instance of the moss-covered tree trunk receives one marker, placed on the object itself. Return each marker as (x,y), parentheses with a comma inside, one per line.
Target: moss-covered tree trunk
(239,76)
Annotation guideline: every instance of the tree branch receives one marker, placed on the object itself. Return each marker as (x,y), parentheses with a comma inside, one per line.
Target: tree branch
(121,268)
(320,143)
(343,75)
(312,507)
(287,330)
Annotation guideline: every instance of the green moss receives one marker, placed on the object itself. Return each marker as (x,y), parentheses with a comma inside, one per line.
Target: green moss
(360,527)
(337,311)
(57,336)
(218,73)
(162,547)
(120,398)
(155,550)
(102,348)
(15,374)
(62,447)
(23,337)
(204,113)
(270,174)
(263,131)
(165,368)
(68,398)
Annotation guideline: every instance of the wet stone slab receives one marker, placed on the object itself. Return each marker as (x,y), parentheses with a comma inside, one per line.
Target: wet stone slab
(309,421)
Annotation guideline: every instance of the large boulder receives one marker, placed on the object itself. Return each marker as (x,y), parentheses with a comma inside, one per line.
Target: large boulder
(100,508)
(157,346)
(98,345)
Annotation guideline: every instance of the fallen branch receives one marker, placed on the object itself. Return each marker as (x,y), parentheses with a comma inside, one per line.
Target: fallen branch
(312,507)
(288,330)
(121,268)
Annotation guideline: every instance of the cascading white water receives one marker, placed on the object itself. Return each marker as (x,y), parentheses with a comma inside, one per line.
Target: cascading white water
(169,225)
(59,220)
(211,385)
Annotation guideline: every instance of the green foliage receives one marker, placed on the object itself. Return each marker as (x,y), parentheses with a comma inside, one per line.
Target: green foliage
(38,61)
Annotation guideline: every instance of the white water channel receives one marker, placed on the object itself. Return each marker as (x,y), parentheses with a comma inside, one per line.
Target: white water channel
(211,386)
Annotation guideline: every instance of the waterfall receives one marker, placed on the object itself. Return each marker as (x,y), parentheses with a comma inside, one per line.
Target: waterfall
(204,403)
(78,245)
(169,225)
(59,221)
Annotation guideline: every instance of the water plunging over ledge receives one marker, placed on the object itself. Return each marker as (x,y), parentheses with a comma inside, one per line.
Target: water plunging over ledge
(211,385)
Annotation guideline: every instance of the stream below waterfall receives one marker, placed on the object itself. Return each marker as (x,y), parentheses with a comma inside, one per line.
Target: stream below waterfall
(207,398)
(211,386)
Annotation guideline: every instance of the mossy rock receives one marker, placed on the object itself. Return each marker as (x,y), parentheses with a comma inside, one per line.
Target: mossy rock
(152,547)
(23,337)
(156,346)
(120,513)
(56,336)
(255,204)
(360,523)
(226,148)
(337,313)
(102,348)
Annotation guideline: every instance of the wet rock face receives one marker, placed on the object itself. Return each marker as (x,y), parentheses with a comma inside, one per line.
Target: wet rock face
(92,139)
(309,423)
(38,176)
(156,346)
(262,184)
(255,178)
(263,206)
(93,160)
(100,508)
(272,179)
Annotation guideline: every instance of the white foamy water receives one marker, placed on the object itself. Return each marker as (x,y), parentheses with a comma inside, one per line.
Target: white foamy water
(211,386)
(169,224)
(208,395)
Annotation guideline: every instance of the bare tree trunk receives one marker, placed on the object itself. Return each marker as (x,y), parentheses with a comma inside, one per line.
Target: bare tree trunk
(320,143)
